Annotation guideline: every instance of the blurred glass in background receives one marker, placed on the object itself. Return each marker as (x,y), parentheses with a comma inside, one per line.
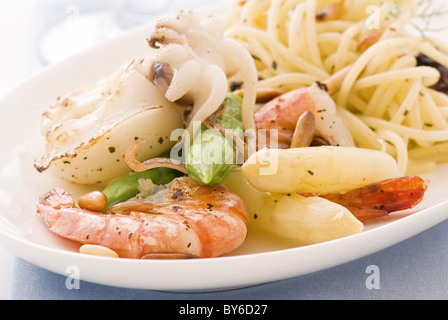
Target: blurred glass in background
(36,33)
(86,22)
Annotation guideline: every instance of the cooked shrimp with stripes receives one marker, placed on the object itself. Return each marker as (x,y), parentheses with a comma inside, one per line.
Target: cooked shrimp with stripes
(300,118)
(183,220)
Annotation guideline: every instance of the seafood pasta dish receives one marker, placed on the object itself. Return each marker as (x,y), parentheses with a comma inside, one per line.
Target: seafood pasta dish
(304,119)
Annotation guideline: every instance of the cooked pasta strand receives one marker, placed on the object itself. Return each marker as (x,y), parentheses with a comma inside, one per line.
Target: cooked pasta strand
(385,98)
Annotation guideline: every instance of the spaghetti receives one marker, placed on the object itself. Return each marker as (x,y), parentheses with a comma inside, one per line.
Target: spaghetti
(386,99)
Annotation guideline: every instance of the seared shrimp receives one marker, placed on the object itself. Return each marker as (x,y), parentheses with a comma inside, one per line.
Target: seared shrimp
(381,198)
(190,220)
(299,117)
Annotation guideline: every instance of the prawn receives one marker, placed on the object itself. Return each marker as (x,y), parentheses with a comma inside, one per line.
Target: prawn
(381,198)
(188,220)
(300,118)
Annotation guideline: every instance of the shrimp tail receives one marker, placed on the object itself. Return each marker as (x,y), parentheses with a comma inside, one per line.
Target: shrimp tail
(381,198)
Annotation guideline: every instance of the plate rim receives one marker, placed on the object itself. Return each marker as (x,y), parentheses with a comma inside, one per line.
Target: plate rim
(386,238)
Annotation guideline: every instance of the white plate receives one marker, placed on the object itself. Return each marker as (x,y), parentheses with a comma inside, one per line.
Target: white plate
(260,260)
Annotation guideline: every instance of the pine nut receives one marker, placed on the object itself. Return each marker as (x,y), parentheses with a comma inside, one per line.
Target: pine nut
(93,201)
(98,250)
(331,11)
